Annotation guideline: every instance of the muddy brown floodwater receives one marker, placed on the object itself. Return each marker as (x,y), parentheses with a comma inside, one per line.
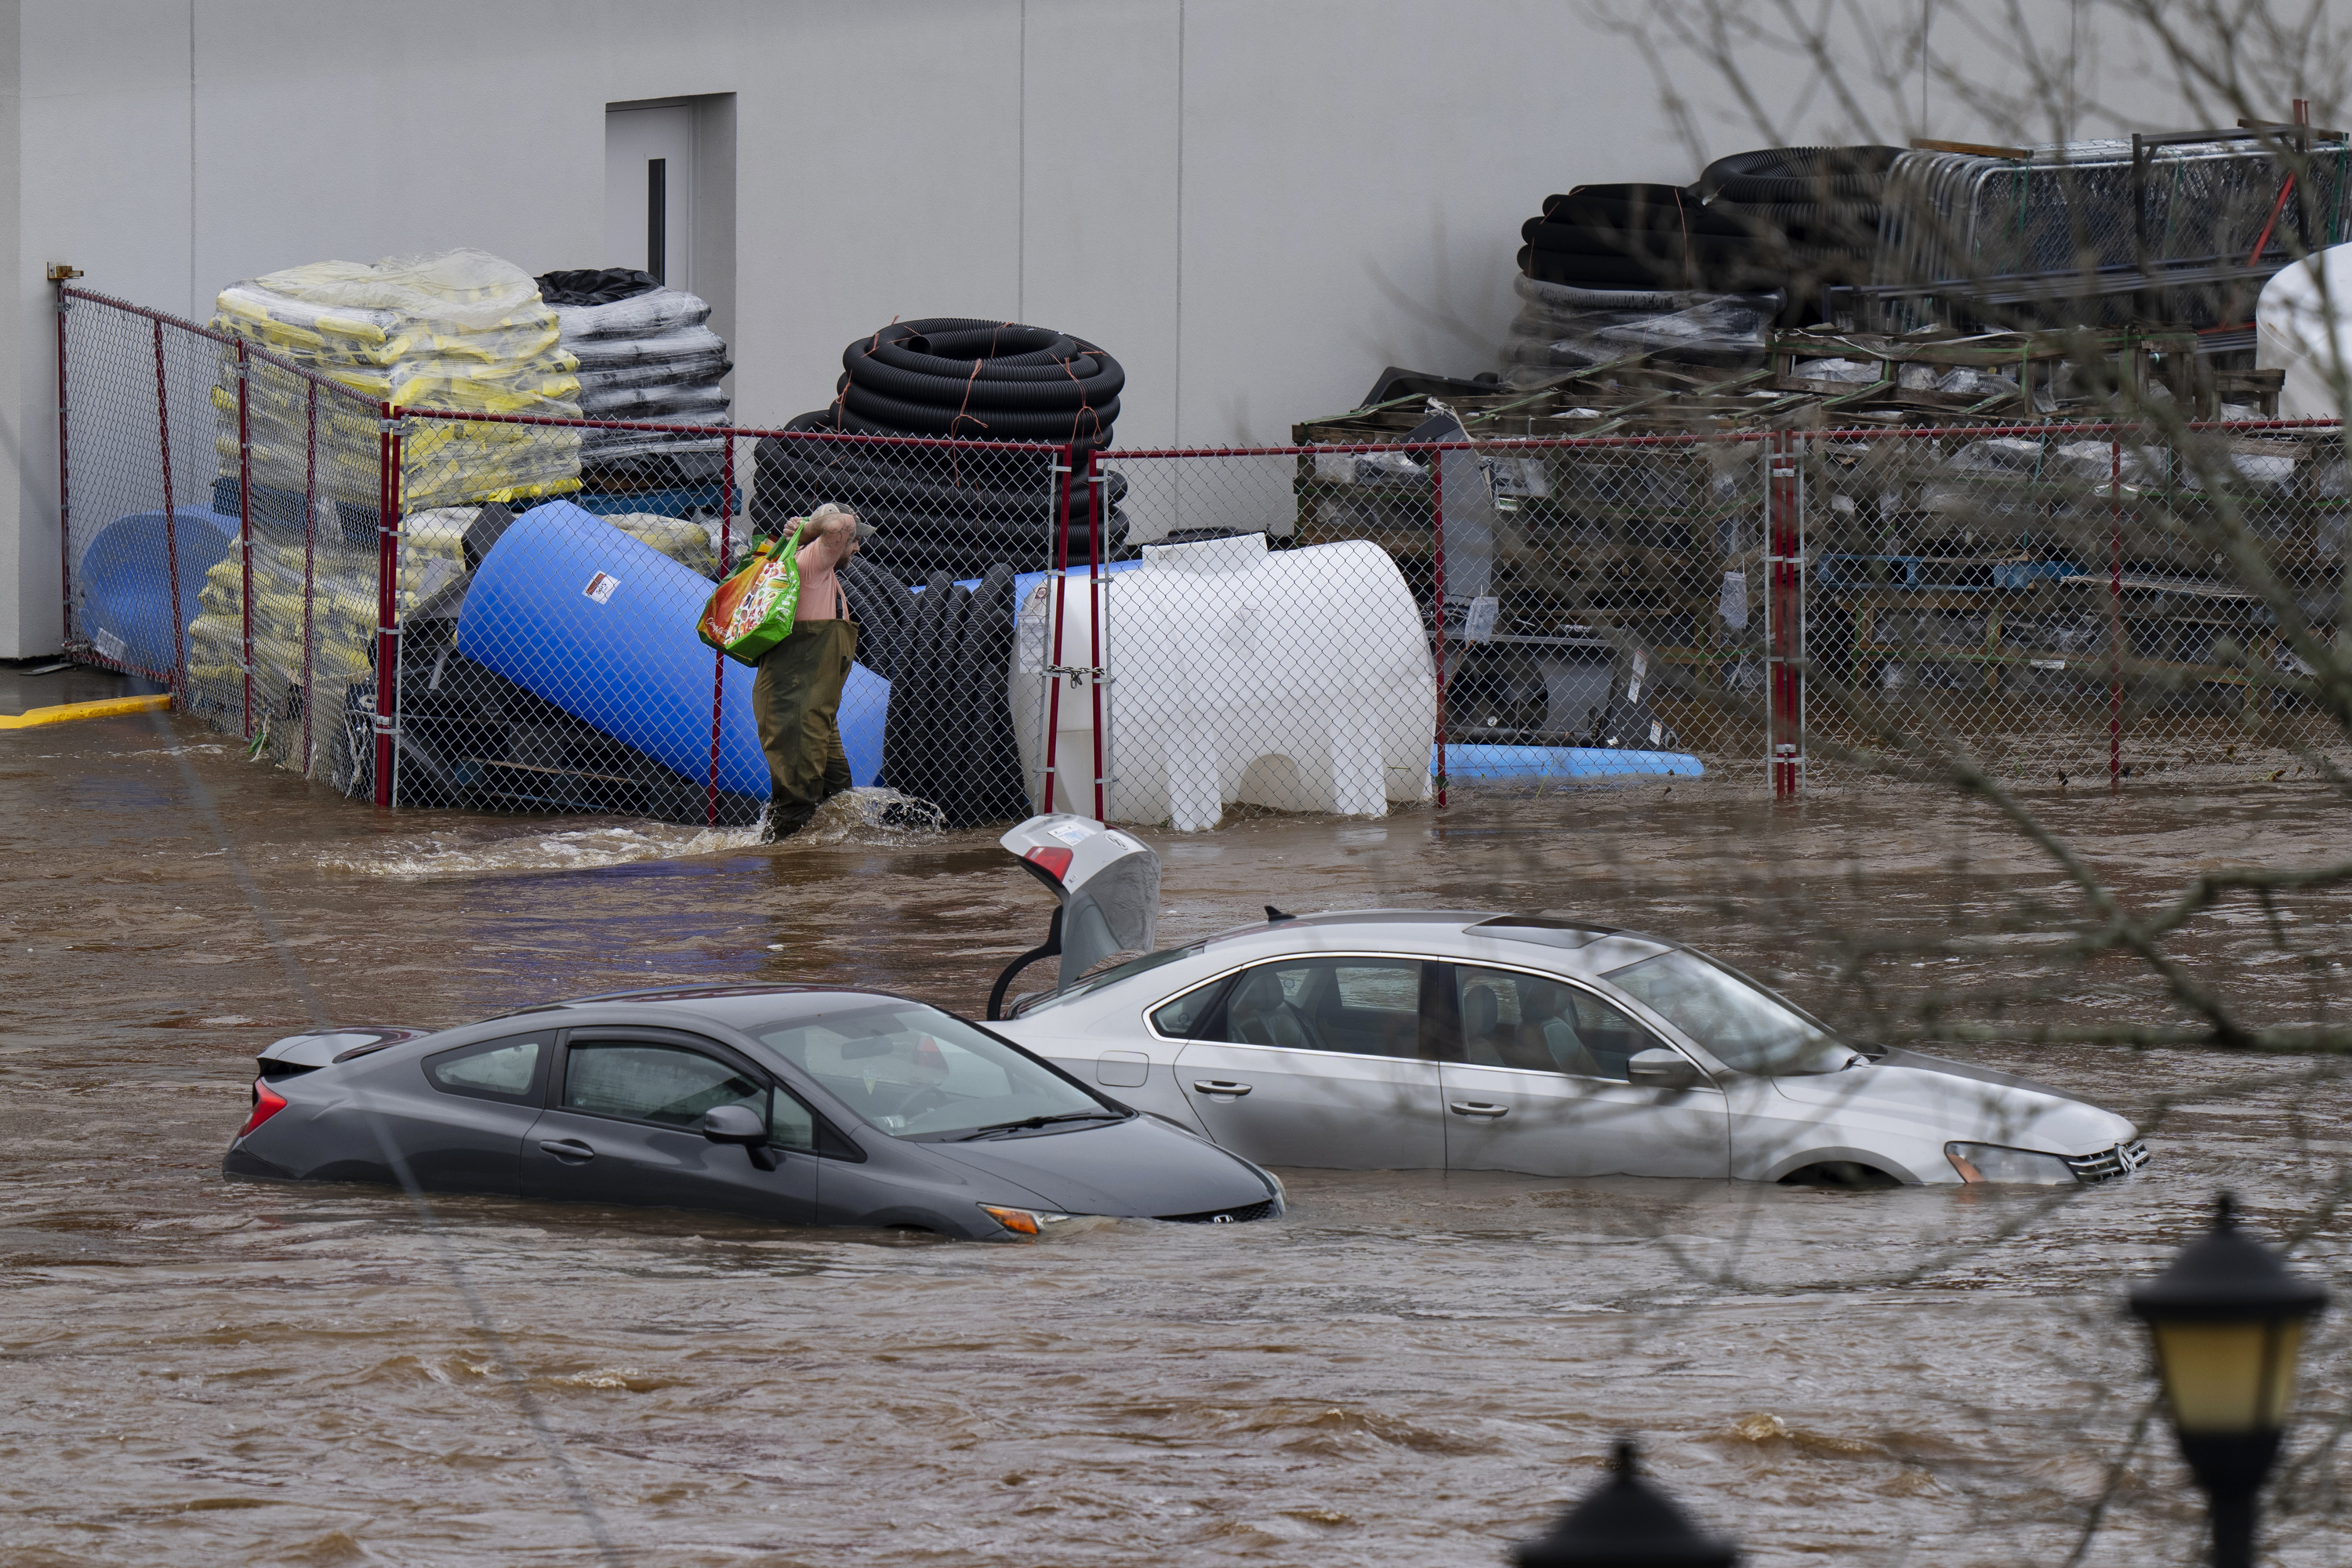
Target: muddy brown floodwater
(1408,1369)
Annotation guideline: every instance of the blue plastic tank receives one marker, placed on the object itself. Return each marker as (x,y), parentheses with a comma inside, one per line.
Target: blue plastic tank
(125,607)
(1480,761)
(575,611)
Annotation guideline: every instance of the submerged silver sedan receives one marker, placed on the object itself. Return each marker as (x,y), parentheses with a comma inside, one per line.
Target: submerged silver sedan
(1395,1039)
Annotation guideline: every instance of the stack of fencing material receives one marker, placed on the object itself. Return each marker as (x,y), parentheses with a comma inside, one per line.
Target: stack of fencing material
(645,351)
(2066,210)
(457,330)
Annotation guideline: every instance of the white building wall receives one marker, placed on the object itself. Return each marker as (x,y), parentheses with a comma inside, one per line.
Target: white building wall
(1254,203)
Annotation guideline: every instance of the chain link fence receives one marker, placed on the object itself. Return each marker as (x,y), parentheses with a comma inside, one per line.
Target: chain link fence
(555,666)
(1171,636)
(220,536)
(2079,601)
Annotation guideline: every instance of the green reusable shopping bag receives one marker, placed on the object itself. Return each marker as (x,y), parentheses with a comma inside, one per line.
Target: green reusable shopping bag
(751,611)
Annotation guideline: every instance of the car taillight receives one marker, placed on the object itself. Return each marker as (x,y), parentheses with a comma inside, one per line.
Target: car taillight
(1055,862)
(266,1103)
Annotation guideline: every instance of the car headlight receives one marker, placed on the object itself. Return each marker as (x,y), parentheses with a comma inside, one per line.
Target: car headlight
(1992,1162)
(1023,1222)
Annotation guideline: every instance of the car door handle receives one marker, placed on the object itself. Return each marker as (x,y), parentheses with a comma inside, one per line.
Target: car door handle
(568,1149)
(1477,1108)
(1224,1088)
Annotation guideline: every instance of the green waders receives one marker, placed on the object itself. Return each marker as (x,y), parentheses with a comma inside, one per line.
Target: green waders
(796,699)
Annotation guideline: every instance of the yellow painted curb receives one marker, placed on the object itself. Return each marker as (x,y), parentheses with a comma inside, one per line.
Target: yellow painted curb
(66,712)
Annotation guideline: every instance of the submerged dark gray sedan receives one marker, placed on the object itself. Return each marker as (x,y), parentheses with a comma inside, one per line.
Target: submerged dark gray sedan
(787,1103)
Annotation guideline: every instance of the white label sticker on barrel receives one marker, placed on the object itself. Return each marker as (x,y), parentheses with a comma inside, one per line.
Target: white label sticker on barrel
(600,588)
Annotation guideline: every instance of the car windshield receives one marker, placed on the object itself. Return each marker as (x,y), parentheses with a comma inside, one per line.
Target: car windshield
(916,1072)
(1102,978)
(1746,1030)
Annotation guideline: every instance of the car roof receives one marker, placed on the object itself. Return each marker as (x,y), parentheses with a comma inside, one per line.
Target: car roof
(731,1005)
(1551,931)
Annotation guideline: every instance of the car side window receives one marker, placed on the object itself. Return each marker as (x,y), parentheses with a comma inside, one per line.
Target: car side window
(1508,1019)
(639,1080)
(507,1070)
(790,1124)
(1179,1019)
(1366,1007)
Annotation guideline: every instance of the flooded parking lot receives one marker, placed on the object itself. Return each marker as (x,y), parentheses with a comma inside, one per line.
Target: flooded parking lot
(1408,1368)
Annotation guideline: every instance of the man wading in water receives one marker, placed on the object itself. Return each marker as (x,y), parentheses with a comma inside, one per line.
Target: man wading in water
(797,696)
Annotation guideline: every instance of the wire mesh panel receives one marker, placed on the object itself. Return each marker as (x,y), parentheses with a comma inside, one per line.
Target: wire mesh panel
(195,465)
(452,608)
(552,652)
(1627,605)
(1341,629)
(2070,600)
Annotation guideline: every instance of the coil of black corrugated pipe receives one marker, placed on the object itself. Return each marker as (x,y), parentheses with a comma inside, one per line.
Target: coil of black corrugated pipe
(1814,210)
(966,380)
(1630,207)
(1809,174)
(929,515)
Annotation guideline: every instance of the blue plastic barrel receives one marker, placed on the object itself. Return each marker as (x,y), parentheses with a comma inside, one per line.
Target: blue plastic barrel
(125,584)
(575,611)
(1486,762)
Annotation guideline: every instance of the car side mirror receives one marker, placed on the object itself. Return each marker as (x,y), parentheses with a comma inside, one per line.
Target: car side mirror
(733,1124)
(1659,1067)
(740,1124)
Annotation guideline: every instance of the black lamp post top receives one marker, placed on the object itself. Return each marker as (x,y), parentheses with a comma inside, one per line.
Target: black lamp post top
(2225,1276)
(1626,1523)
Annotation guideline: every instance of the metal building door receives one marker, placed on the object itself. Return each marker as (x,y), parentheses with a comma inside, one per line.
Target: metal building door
(649,192)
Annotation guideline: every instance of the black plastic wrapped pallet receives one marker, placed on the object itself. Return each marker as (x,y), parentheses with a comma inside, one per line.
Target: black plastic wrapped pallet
(883,608)
(949,736)
(594,286)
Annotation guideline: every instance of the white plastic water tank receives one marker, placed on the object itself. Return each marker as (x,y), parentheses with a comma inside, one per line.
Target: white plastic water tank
(2308,333)
(1299,679)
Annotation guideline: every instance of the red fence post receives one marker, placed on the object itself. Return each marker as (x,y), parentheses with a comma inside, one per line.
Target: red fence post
(1097,611)
(244,527)
(1437,602)
(65,468)
(718,655)
(2115,615)
(1060,574)
(387,597)
(309,570)
(171,520)
(1783,557)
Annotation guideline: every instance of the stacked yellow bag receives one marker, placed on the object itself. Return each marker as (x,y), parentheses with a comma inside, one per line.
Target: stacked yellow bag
(460,329)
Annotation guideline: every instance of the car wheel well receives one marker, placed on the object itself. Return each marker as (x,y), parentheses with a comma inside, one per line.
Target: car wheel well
(1840,1175)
